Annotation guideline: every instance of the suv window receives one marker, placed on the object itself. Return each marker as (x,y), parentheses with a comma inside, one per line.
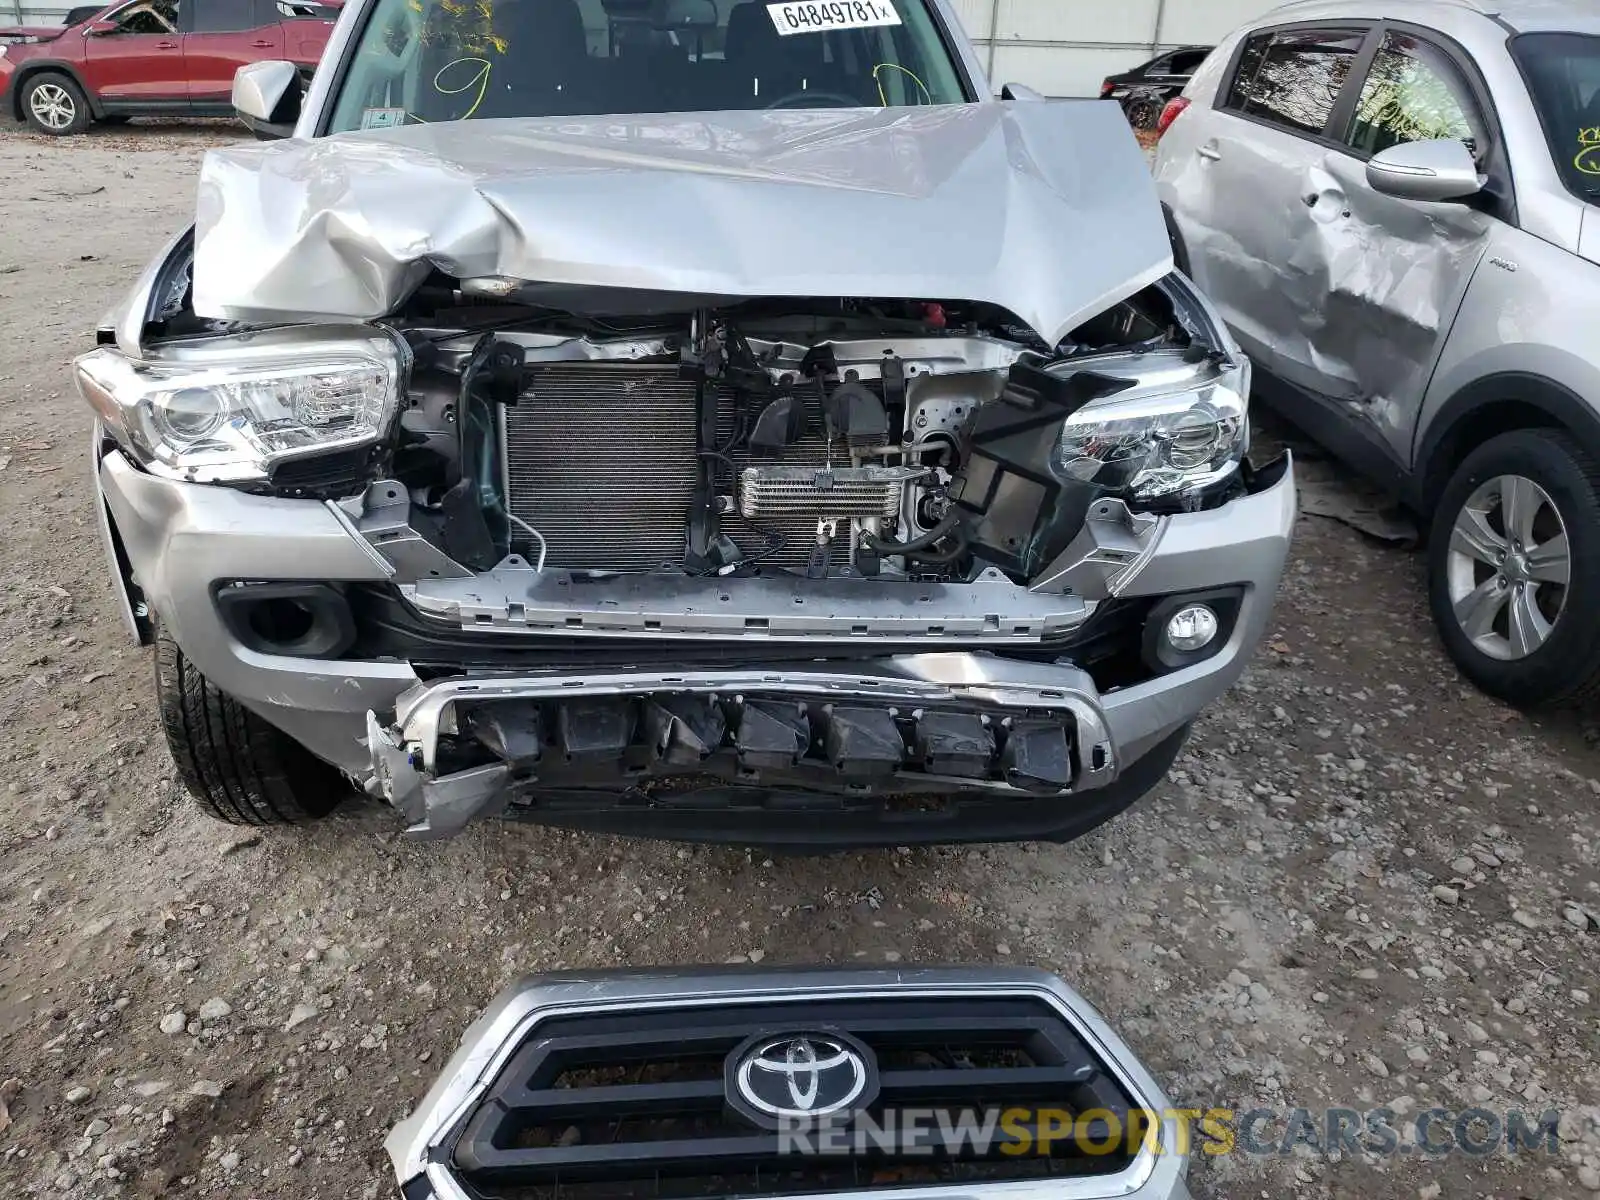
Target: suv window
(1412,94)
(155,16)
(447,60)
(1563,73)
(1293,77)
(221,16)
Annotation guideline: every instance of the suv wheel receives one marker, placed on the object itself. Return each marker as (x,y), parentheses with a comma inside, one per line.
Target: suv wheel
(1514,569)
(239,768)
(54,104)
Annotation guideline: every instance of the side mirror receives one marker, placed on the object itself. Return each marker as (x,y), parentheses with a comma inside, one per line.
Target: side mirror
(98,28)
(267,96)
(1432,171)
(1019,91)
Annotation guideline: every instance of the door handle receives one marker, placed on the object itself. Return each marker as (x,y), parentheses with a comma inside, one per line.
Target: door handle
(1210,152)
(166,45)
(262,45)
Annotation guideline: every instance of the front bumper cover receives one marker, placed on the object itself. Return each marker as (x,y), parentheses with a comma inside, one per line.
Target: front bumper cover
(379,722)
(422,1147)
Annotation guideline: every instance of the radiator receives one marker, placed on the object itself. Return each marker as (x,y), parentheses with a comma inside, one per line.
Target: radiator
(817,492)
(601,460)
(797,529)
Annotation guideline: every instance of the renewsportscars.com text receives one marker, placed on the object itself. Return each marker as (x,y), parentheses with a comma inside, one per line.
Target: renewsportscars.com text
(1212,1131)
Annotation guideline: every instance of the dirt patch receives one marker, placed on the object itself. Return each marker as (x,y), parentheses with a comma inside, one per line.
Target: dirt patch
(1266,930)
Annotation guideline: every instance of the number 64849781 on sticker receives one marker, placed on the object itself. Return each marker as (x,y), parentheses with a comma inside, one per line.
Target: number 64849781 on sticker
(817,16)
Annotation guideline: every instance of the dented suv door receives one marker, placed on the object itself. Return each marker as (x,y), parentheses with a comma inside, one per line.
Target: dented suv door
(1397,269)
(1240,190)
(1340,292)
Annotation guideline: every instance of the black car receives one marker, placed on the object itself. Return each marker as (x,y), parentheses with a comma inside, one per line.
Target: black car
(1145,90)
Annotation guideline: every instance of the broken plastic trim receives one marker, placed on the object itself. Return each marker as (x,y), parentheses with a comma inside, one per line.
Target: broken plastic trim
(406,761)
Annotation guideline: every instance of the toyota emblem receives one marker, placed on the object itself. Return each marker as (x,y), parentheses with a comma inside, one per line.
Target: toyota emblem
(800,1076)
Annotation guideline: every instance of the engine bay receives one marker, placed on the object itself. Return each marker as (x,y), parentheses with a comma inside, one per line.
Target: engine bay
(824,440)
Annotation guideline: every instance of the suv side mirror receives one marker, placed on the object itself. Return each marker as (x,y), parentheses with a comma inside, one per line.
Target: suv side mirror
(1019,91)
(1432,171)
(266,97)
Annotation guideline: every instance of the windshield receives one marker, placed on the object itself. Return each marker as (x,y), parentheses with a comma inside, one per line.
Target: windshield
(1563,73)
(448,60)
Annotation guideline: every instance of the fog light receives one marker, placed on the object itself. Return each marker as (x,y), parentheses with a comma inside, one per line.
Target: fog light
(1184,631)
(1192,628)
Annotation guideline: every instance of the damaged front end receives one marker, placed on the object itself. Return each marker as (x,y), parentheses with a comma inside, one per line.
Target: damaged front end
(597,555)
(787,493)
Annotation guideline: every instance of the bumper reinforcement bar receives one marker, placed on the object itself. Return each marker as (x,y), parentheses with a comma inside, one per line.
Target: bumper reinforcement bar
(914,722)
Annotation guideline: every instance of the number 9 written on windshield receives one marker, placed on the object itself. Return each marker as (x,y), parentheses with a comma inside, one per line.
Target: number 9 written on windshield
(468,76)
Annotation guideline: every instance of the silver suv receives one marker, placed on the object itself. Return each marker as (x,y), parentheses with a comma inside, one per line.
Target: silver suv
(816,452)
(1394,207)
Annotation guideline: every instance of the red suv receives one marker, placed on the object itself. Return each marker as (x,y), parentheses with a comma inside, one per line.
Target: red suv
(145,58)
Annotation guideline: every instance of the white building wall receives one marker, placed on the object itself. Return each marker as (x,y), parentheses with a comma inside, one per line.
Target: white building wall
(1066,47)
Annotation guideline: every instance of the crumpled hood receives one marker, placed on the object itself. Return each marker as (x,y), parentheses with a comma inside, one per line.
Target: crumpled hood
(1046,209)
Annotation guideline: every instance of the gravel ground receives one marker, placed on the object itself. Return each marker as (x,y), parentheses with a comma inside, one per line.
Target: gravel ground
(1363,884)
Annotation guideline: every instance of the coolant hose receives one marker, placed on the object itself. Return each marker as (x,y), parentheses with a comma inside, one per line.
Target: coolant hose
(918,547)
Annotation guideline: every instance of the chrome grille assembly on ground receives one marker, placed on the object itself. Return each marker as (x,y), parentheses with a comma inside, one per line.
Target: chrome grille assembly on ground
(923,1083)
(706,562)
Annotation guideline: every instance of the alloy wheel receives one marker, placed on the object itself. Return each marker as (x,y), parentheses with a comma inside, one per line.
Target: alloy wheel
(1509,567)
(52,106)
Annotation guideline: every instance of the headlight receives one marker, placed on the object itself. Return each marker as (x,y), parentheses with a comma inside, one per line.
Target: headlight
(228,409)
(1157,441)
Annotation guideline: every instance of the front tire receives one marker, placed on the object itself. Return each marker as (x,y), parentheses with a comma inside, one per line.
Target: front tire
(1514,569)
(52,103)
(238,768)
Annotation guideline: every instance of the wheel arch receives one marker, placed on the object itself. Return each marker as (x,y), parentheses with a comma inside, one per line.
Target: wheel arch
(48,66)
(1494,405)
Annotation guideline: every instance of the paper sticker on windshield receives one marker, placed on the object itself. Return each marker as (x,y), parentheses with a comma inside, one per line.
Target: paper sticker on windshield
(818,16)
(382,118)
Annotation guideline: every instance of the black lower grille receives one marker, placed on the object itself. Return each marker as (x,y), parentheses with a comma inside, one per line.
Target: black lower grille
(635,1104)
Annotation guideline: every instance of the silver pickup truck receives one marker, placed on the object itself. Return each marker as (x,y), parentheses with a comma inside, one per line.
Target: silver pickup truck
(709,420)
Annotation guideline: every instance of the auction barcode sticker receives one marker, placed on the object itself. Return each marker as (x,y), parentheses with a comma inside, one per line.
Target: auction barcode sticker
(817,16)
